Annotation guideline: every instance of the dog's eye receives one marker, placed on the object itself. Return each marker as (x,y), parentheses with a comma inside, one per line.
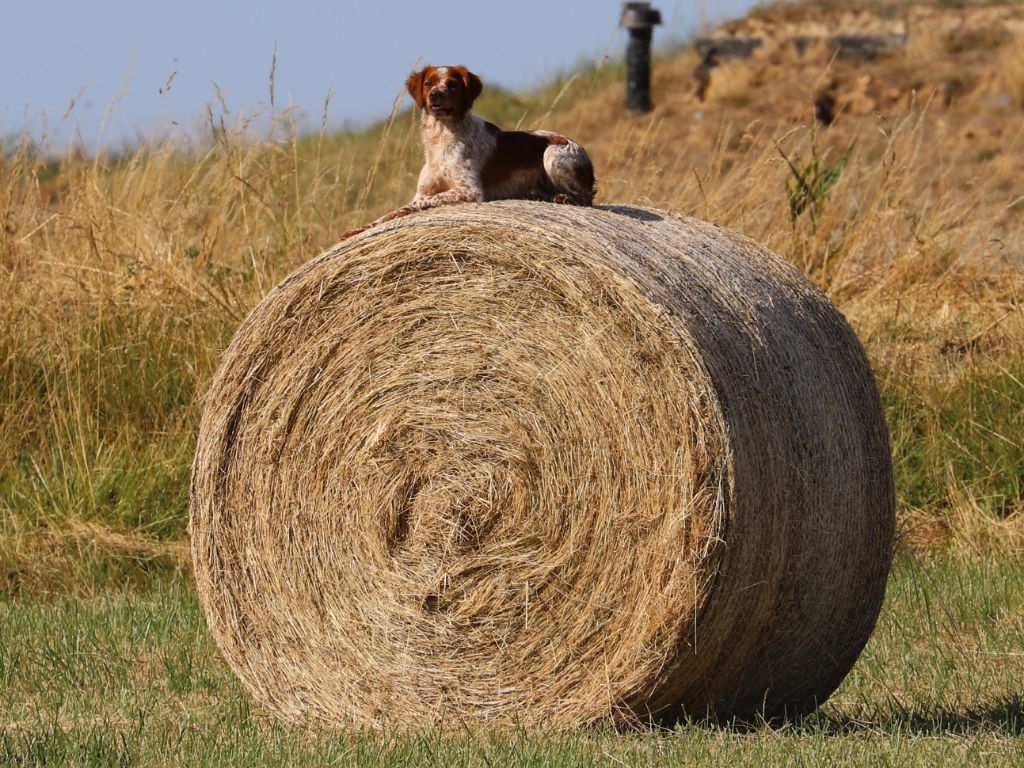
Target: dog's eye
(430,83)
(454,84)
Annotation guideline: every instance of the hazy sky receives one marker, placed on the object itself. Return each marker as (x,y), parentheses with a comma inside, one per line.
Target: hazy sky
(101,53)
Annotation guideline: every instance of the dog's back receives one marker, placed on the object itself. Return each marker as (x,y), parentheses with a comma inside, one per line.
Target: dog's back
(536,163)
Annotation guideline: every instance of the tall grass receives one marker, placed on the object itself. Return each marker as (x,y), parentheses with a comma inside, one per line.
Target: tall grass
(122,277)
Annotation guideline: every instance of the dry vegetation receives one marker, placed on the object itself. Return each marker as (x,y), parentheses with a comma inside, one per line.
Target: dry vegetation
(122,276)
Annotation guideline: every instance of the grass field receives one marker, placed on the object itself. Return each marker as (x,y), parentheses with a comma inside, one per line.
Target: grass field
(127,679)
(123,276)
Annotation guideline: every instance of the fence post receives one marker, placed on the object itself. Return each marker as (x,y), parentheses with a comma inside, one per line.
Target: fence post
(639,19)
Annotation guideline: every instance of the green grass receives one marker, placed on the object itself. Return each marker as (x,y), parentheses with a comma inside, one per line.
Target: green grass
(134,679)
(968,426)
(110,400)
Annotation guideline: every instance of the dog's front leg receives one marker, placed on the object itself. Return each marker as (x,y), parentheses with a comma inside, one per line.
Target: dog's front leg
(469,190)
(398,213)
(463,186)
(448,197)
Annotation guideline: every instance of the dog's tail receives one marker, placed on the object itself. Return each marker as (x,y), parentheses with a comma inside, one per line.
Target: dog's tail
(568,166)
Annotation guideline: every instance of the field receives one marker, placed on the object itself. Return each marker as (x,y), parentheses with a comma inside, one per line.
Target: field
(127,679)
(124,275)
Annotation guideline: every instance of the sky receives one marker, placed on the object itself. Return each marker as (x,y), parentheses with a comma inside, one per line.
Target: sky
(106,72)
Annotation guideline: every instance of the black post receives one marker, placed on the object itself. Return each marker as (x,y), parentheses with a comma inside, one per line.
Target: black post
(639,19)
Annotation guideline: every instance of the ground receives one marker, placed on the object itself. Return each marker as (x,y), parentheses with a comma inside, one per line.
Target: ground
(134,679)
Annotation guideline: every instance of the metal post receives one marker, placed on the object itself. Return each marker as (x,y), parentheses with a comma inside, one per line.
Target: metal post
(639,19)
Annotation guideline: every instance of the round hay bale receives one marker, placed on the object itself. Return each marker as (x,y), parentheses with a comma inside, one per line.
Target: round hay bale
(544,465)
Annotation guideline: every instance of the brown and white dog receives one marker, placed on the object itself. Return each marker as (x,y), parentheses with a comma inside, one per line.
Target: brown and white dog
(471,160)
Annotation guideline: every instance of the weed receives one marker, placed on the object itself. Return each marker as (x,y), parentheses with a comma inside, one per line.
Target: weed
(812,180)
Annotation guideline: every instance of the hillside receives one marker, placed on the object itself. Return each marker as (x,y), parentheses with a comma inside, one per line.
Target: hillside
(122,277)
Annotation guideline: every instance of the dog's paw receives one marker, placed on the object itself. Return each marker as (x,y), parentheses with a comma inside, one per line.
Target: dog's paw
(354,232)
(566,199)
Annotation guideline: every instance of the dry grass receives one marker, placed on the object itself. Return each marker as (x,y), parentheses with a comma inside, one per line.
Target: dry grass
(122,277)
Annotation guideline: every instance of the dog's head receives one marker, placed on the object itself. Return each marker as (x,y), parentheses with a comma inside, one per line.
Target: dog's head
(444,92)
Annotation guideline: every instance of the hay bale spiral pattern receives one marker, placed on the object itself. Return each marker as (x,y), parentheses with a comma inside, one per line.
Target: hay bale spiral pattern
(526,463)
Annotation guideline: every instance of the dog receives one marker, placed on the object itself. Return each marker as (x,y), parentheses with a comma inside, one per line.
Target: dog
(468,159)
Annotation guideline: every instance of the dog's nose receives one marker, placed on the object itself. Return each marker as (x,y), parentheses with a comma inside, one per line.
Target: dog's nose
(435,96)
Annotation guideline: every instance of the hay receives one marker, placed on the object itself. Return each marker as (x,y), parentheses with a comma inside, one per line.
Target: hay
(527,463)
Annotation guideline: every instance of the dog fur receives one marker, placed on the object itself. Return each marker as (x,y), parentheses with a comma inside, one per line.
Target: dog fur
(468,159)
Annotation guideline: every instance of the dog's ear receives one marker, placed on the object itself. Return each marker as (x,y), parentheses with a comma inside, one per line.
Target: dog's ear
(415,86)
(474,86)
